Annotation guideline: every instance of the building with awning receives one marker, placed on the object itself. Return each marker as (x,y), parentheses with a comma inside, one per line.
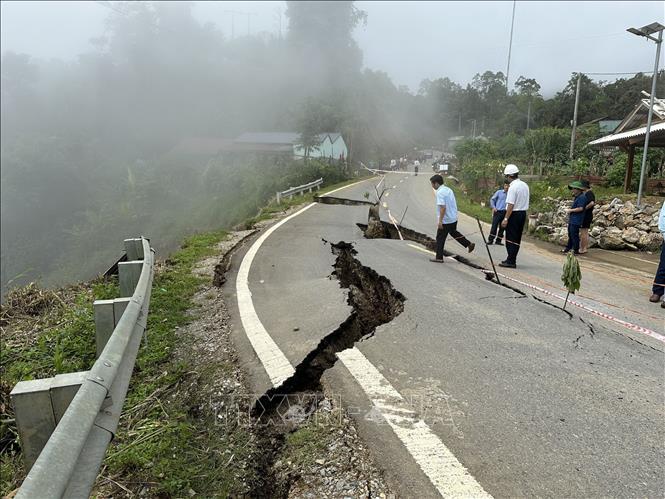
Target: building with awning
(632,131)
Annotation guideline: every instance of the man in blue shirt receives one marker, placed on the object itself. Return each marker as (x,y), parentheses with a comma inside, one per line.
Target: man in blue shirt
(498,205)
(446,218)
(575,217)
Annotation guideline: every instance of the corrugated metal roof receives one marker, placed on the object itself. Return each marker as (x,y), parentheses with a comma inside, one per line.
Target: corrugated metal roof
(658,128)
(282,138)
(268,138)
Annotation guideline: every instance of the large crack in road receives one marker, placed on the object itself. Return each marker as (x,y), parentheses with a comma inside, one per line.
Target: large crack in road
(284,408)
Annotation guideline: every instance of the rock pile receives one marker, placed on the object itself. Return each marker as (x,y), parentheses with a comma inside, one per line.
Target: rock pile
(616,225)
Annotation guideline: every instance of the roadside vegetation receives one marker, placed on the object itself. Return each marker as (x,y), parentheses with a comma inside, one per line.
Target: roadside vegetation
(161,442)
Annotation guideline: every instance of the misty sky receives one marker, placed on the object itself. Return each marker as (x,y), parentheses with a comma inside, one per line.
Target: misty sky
(409,40)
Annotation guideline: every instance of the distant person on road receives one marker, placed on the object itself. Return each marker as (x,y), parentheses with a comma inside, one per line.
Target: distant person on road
(416,165)
(446,218)
(658,289)
(498,205)
(588,217)
(517,203)
(575,217)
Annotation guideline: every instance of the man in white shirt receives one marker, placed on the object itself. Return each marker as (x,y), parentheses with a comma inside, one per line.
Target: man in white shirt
(446,218)
(517,204)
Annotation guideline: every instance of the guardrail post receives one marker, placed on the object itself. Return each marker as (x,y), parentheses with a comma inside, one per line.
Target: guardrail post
(128,276)
(63,389)
(134,249)
(38,407)
(34,417)
(279,197)
(107,316)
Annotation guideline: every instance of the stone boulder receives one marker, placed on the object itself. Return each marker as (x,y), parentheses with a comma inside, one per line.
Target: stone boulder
(650,241)
(612,239)
(631,235)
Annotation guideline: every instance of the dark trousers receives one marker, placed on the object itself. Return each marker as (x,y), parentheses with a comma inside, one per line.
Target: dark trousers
(573,238)
(514,231)
(442,234)
(496,226)
(659,281)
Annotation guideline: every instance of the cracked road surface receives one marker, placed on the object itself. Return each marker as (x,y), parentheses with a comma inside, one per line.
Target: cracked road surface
(472,389)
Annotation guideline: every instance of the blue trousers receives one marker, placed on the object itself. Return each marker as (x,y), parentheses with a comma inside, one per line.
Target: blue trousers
(573,238)
(659,281)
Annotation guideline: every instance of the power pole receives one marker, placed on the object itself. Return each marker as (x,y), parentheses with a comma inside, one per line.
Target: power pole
(577,101)
(510,45)
(528,115)
(233,22)
(649,118)
(459,123)
(278,13)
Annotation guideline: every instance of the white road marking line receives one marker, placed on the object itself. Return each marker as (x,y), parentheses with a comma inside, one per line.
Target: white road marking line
(445,472)
(429,252)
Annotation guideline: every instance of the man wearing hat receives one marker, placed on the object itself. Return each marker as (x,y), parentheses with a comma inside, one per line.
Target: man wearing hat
(588,217)
(517,203)
(575,217)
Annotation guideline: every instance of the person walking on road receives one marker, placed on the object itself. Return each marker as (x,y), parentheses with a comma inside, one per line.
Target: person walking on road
(517,203)
(416,166)
(498,205)
(446,221)
(588,217)
(575,217)
(658,289)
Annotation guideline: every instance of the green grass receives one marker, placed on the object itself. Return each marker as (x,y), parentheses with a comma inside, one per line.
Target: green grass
(470,207)
(161,440)
(169,445)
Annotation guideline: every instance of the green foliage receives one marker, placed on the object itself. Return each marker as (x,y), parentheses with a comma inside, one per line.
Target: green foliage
(572,275)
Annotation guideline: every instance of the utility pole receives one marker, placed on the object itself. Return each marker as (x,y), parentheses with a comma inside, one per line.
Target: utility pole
(659,42)
(510,45)
(459,123)
(233,22)
(528,115)
(577,101)
(278,14)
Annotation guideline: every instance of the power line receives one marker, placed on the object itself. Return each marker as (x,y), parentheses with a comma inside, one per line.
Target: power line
(620,73)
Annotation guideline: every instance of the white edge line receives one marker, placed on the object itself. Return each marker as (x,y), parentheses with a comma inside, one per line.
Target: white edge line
(444,471)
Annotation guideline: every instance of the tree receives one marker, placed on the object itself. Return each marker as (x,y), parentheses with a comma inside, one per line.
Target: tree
(527,86)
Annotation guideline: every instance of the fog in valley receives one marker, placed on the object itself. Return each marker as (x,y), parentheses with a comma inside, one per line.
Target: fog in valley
(133,135)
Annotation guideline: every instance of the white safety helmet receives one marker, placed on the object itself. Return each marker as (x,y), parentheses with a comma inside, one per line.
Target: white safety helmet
(510,169)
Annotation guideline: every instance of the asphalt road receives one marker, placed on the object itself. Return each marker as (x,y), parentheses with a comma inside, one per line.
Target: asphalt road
(530,401)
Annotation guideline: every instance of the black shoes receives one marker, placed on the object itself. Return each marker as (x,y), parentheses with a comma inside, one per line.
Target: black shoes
(435,260)
(507,265)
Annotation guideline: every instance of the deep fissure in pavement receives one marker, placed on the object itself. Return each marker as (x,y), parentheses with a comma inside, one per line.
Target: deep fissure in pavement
(342,201)
(391,232)
(281,410)
(374,302)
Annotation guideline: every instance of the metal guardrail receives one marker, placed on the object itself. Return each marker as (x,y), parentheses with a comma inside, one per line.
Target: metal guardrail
(300,189)
(70,460)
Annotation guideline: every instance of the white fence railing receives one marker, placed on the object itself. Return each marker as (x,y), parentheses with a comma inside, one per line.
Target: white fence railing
(291,191)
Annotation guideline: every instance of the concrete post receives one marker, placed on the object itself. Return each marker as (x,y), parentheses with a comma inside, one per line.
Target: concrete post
(107,316)
(34,417)
(38,407)
(279,198)
(63,389)
(134,249)
(104,323)
(128,276)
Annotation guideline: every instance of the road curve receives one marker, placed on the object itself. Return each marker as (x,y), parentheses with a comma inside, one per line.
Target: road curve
(474,388)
